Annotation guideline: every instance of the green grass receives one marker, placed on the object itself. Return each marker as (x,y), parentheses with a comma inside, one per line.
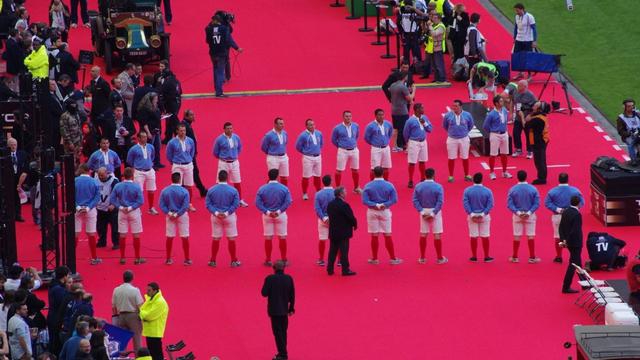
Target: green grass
(601,40)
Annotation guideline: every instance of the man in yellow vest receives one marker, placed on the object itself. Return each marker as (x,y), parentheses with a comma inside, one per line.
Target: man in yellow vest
(37,62)
(435,47)
(153,314)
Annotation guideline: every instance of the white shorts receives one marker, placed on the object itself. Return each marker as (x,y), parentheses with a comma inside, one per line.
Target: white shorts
(352,156)
(181,222)
(186,173)
(323,230)
(379,221)
(228,226)
(132,220)
(455,146)
(480,229)
(88,219)
(277,226)
(381,157)
(232,168)
(519,224)
(555,221)
(146,179)
(311,166)
(433,225)
(279,162)
(417,151)
(499,143)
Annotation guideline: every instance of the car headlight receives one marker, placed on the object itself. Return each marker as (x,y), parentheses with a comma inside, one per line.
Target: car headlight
(155,41)
(121,43)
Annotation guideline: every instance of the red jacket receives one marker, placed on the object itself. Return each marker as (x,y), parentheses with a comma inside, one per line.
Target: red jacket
(632,279)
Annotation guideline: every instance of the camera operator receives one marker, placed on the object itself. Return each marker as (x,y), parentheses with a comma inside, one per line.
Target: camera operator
(537,126)
(219,39)
(408,18)
(604,252)
(628,124)
(435,47)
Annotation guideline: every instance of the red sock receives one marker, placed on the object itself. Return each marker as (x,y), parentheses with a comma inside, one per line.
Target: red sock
(316,183)
(338,177)
(355,175)
(374,247)
(558,248)
(465,166)
(388,243)
(268,246)
(123,246)
(185,248)
(452,165)
(532,248)
(238,187)
(92,247)
(504,161)
(321,246)
(215,246)
(385,174)
(282,244)
(284,180)
(168,247)
(305,185)
(474,247)
(437,243)
(423,246)
(412,169)
(485,246)
(492,163)
(232,250)
(151,195)
(421,167)
(516,246)
(136,247)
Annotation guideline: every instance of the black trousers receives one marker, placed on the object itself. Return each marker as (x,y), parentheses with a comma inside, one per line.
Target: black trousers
(341,245)
(517,136)
(540,160)
(279,326)
(83,11)
(107,218)
(154,344)
(170,126)
(196,177)
(168,15)
(411,46)
(575,257)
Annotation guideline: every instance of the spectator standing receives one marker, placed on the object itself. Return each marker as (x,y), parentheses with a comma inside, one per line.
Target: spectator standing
(67,63)
(20,339)
(127,86)
(458,31)
(137,75)
(59,18)
(14,53)
(56,295)
(119,128)
(525,34)
(100,90)
(154,313)
(126,302)
(98,348)
(139,94)
(628,125)
(83,13)
(401,100)
(72,345)
(475,44)
(280,293)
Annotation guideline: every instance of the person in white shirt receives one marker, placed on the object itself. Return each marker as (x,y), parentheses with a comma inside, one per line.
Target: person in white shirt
(525,34)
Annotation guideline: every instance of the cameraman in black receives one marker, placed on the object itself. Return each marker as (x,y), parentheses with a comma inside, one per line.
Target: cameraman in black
(218,37)
(628,124)
(408,19)
(604,251)
(537,127)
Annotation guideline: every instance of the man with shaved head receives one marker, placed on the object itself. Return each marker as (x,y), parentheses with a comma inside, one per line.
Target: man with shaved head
(524,101)
(100,90)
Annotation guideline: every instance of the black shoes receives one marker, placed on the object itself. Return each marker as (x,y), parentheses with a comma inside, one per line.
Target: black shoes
(539,182)
(348,273)
(557,259)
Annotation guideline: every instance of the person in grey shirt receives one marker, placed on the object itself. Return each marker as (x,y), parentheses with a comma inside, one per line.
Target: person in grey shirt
(524,101)
(401,100)
(20,339)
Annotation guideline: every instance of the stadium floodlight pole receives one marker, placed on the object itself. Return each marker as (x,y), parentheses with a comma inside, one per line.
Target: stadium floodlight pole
(353,15)
(388,54)
(365,28)
(378,41)
(336,4)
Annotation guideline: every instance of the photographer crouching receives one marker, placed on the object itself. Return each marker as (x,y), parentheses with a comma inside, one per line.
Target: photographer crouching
(219,39)
(628,125)
(409,17)
(537,126)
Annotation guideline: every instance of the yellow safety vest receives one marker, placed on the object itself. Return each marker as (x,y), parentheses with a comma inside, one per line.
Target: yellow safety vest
(38,63)
(153,314)
(439,6)
(429,43)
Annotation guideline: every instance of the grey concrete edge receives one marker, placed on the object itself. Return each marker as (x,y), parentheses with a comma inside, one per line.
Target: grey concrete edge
(573,90)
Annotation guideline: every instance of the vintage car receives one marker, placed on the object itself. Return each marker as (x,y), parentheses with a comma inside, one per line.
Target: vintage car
(126,31)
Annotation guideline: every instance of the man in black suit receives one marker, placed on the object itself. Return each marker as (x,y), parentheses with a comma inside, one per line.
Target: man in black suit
(14,53)
(119,129)
(189,118)
(279,290)
(170,92)
(100,91)
(341,226)
(19,161)
(68,64)
(140,92)
(570,230)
